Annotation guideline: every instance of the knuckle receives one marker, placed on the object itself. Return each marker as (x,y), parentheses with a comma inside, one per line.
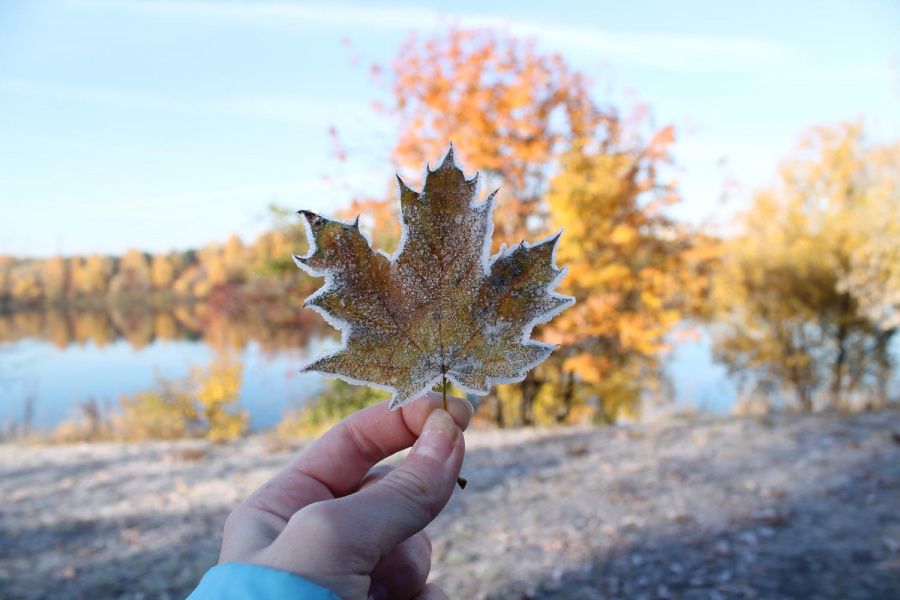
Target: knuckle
(418,565)
(410,486)
(418,547)
(234,520)
(325,525)
(367,448)
(426,542)
(319,517)
(376,473)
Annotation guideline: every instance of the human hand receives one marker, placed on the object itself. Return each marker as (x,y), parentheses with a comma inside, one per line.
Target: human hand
(332,518)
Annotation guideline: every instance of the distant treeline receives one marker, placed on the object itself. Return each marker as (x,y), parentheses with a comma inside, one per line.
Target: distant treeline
(258,270)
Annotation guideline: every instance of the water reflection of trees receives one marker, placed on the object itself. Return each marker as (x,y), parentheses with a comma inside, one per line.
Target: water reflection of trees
(272,327)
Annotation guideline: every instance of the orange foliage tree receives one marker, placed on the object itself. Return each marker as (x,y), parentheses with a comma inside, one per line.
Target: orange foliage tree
(510,110)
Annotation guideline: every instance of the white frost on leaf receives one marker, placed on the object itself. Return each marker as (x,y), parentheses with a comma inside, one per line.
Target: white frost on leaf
(404,326)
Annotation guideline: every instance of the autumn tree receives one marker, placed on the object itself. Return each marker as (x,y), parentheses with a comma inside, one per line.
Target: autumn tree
(213,262)
(234,256)
(76,274)
(162,272)
(807,292)
(6,266)
(25,284)
(205,404)
(528,123)
(132,275)
(510,110)
(873,276)
(217,392)
(94,280)
(630,266)
(54,275)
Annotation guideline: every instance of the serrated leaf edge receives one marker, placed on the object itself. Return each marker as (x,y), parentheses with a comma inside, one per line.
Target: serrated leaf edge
(487,262)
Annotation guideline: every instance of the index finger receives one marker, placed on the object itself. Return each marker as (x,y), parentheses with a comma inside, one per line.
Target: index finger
(335,464)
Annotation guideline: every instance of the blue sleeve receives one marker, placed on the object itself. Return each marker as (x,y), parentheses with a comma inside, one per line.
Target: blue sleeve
(236,581)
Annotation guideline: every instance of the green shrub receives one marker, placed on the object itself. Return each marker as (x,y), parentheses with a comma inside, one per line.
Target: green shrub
(337,401)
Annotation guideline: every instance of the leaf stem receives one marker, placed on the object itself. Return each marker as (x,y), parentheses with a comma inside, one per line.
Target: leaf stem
(460,481)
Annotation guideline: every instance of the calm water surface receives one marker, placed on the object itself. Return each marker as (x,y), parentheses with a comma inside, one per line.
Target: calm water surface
(59,379)
(55,375)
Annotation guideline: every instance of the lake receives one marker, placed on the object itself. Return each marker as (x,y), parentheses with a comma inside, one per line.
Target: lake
(52,362)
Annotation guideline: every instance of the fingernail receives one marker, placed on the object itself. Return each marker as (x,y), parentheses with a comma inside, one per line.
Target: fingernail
(438,436)
(469,408)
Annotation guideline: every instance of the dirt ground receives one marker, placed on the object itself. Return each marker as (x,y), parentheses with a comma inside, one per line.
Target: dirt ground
(777,507)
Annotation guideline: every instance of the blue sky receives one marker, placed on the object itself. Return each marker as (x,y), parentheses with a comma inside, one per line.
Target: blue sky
(165,125)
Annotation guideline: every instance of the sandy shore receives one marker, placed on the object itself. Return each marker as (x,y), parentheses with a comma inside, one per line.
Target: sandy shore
(777,507)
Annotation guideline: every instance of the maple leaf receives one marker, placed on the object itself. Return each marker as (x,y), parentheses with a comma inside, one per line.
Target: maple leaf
(440,305)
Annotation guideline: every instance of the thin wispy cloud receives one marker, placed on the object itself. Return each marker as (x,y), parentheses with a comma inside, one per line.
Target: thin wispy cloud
(92,95)
(311,193)
(666,51)
(295,108)
(290,108)
(856,74)
(673,52)
(149,206)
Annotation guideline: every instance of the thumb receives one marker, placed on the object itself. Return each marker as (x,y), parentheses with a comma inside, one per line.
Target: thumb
(361,528)
(408,498)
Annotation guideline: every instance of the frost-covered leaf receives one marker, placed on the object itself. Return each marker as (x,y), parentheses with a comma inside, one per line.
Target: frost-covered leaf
(440,305)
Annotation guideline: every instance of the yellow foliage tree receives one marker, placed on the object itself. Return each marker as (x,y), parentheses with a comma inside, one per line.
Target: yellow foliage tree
(205,404)
(6,264)
(54,275)
(162,272)
(133,275)
(629,266)
(234,256)
(77,266)
(25,286)
(217,393)
(807,292)
(96,274)
(873,276)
